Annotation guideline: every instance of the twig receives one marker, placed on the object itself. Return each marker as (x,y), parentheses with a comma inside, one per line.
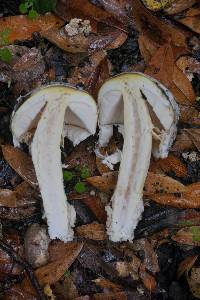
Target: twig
(8,249)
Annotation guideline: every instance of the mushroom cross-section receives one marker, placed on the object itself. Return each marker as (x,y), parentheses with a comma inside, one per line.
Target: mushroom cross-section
(147,112)
(53,112)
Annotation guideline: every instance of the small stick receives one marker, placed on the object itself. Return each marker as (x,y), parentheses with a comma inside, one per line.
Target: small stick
(8,249)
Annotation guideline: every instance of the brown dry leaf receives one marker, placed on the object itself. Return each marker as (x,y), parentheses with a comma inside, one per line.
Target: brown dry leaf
(192,19)
(184,200)
(93,231)
(189,114)
(108,285)
(150,259)
(105,183)
(84,9)
(182,142)
(28,26)
(93,203)
(20,162)
(147,47)
(94,72)
(109,38)
(157,29)
(162,67)
(188,236)
(58,249)
(66,289)
(147,279)
(158,183)
(178,6)
(194,135)
(16,292)
(53,271)
(22,196)
(111,296)
(186,265)
(170,164)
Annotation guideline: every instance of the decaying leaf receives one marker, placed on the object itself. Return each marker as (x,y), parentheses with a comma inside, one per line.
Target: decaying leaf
(188,64)
(93,231)
(147,279)
(104,183)
(182,142)
(189,114)
(111,296)
(179,200)
(186,265)
(194,281)
(66,289)
(178,6)
(194,135)
(108,285)
(159,30)
(18,293)
(188,236)
(192,19)
(147,46)
(162,67)
(20,162)
(28,26)
(53,271)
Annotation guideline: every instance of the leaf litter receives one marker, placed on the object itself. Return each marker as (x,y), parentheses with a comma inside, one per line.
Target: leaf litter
(91,267)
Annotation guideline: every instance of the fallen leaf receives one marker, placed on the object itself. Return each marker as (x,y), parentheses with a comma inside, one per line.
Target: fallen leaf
(147,279)
(147,47)
(93,231)
(157,29)
(150,259)
(194,282)
(182,142)
(192,19)
(111,296)
(93,203)
(186,265)
(53,271)
(108,285)
(58,249)
(157,183)
(188,64)
(178,6)
(194,135)
(92,74)
(188,236)
(162,67)
(182,200)
(66,289)
(28,26)
(170,164)
(20,162)
(189,115)
(105,183)
(16,292)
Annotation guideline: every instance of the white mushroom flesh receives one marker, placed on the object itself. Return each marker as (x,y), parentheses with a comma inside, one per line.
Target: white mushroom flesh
(59,107)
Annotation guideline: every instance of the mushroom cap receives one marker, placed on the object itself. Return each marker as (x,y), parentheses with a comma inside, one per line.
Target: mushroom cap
(162,106)
(77,125)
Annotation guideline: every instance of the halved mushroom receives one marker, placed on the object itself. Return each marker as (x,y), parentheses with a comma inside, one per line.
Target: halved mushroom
(145,109)
(52,112)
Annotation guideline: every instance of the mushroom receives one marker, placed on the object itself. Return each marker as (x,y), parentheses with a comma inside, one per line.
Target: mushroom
(50,113)
(143,109)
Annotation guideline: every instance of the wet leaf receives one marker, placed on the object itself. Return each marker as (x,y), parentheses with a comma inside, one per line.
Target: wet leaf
(189,114)
(192,19)
(157,29)
(93,231)
(28,26)
(147,47)
(188,236)
(162,67)
(194,135)
(186,265)
(21,163)
(150,259)
(108,285)
(157,183)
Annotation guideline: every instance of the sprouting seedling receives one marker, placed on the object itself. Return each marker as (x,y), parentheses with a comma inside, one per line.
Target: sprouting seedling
(85,172)
(67,175)
(80,187)
(5,55)
(35,7)
(27,7)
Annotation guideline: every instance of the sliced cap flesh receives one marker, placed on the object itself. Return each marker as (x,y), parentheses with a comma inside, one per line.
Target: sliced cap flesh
(54,111)
(136,102)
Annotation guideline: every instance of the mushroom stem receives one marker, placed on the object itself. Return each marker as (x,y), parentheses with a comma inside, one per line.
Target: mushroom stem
(46,156)
(127,204)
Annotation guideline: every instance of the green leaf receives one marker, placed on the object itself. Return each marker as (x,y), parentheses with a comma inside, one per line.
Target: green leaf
(5,55)
(23,8)
(80,187)
(4,36)
(67,175)
(85,173)
(44,6)
(32,14)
